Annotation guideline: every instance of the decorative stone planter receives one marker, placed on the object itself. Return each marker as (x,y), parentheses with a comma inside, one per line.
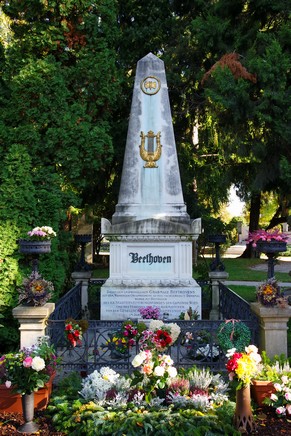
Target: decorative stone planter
(34,247)
(260,389)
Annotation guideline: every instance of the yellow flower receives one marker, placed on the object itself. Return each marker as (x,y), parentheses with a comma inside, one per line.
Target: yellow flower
(246,368)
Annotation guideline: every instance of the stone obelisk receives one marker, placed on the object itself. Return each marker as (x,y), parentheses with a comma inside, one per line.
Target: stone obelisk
(150,232)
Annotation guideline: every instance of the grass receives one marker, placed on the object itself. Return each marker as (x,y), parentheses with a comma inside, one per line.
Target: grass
(240,269)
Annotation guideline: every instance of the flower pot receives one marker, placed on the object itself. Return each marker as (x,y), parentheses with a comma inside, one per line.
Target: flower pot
(34,247)
(243,419)
(261,389)
(11,402)
(271,246)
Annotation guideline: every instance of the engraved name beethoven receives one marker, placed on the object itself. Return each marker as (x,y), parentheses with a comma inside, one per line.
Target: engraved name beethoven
(149,258)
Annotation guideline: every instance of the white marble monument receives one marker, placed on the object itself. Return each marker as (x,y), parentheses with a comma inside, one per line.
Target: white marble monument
(151,233)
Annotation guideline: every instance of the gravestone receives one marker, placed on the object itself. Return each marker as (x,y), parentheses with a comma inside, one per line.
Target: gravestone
(151,233)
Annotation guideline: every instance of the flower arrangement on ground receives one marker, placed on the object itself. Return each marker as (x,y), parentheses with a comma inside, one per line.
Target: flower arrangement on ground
(44,233)
(150,312)
(195,401)
(125,338)
(74,331)
(35,290)
(233,333)
(243,366)
(266,235)
(269,294)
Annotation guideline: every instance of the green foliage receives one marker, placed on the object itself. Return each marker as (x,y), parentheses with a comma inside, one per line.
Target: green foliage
(79,418)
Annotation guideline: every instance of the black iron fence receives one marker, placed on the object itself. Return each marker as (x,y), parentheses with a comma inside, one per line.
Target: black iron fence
(196,345)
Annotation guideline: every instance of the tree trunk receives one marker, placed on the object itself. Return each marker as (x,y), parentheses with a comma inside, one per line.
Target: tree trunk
(254,222)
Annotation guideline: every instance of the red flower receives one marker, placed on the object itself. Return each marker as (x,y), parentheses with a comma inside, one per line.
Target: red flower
(69,327)
(162,338)
(232,363)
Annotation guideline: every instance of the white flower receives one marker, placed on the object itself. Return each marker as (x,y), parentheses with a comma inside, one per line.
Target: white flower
(278,387)
(159,371)
(139,359)
(287,396)
(274,397)
(281,410)
(251,349)
(285,379)
(175,331)
(230,352)
(167,359)
(155,324)
(8,383)
(38,363)
(108,374)
(172,371)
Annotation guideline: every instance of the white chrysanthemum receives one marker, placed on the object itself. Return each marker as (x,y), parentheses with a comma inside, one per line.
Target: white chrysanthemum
(155,324)
(38,363)
(175,331)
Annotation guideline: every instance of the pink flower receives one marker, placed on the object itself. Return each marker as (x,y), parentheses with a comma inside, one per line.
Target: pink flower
(281,410)
(8,384)
(27,362)
(274,397)
(288,396)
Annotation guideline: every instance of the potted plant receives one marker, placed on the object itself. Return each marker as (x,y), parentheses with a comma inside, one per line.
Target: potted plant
(25,373)
(37,241)
(267,240)
(270,372)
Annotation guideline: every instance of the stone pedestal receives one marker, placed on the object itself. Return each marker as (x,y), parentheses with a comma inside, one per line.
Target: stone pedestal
(149,270)
(273,328)
(83,277)
(32,322)
(215,278)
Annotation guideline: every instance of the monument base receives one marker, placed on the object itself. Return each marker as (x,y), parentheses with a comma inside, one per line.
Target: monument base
(121,303)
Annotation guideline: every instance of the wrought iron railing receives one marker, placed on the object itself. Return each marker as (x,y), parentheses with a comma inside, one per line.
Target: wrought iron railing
(69,306)
(196,345)
(231,305)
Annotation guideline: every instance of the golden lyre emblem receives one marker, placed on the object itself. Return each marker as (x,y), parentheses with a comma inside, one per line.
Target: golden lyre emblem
(150,154)
(150,85)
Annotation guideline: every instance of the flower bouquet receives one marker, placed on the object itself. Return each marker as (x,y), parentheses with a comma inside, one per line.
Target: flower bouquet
(35,290)
(269,294)
(150,312)
(243,366)
(155,372)
(159,336)
(124,339)
(74,331)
